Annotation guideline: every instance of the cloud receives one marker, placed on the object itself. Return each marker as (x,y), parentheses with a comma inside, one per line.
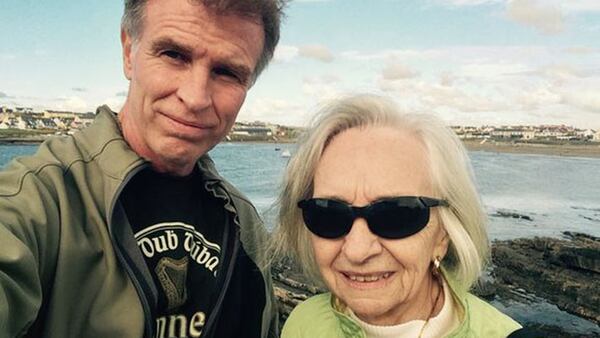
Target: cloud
(458,55)
(447,79)
(79,89)
(580,50)
(487,84)
(586,99)
(4,56)
(491,70)
(322,79)
(274,110)
(122,93)
(400,54)
(115,103)
(561,73)
(40,52)
(424,96)
(317,52)
(468,2)
(567,5)
(459,99)
(582,5)
(323,87)
(545,18)
(285,53)
(4,96)
(72,103)
(398,71)
(537,98)
(320,91)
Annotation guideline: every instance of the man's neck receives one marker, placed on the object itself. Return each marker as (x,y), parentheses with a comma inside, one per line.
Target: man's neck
(175,168)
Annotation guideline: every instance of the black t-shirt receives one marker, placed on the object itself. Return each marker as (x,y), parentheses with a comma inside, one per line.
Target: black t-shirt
(178,227)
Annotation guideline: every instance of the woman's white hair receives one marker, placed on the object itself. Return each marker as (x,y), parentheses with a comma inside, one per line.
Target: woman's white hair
(449,168)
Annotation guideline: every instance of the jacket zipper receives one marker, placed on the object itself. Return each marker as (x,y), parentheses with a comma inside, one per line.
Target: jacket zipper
(231,265)
(148,327)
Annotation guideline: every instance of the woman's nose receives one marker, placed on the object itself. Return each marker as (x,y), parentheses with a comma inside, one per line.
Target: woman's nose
(360,244)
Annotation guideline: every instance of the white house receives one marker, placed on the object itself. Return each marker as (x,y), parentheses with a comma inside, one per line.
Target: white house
(25,122)
(508,132)
(528,135)
(82,121)
(596,137)
(588,133)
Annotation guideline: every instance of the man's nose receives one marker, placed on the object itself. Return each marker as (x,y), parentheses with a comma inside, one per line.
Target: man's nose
(360,244)
(195,89)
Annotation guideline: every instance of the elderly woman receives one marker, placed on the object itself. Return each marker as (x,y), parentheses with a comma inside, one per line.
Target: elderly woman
(381,207)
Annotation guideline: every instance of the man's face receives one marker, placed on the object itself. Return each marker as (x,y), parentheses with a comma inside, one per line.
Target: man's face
(189,72)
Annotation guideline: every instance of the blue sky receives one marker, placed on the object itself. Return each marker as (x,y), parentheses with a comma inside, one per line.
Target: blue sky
(468,61)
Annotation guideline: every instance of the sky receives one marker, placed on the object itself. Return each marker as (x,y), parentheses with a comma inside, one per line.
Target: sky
(470,62)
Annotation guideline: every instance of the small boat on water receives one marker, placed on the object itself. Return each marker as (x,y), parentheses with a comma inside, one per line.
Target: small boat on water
(286,153)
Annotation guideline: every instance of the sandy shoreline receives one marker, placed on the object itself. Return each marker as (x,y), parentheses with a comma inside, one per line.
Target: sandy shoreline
(591,150)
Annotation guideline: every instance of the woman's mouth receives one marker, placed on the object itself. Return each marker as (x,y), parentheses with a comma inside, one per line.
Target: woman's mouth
(367,278)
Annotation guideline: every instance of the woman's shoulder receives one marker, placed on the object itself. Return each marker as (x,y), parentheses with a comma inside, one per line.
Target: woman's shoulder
(485,318)
(312,318)
(315,306)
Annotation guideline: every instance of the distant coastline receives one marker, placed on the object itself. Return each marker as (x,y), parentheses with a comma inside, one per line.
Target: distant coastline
(569,150)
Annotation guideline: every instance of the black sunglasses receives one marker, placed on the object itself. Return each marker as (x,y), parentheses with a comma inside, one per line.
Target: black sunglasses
(392,218)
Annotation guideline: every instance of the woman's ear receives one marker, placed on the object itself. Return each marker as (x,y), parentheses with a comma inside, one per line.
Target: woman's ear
(442,241)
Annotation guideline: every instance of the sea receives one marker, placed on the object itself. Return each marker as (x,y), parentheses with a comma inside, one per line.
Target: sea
(524,195)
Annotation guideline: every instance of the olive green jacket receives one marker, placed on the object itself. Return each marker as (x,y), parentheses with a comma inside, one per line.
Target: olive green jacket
(69,264)
(316,317)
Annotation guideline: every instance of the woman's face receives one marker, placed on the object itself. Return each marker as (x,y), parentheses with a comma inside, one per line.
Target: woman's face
(383,281)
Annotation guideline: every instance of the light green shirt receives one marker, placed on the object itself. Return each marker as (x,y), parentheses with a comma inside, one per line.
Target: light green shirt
(316,317)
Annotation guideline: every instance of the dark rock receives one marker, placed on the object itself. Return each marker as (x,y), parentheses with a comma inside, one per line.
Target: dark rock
(581,258)
(564,272)
(486,290)
(291,287)
(510,214)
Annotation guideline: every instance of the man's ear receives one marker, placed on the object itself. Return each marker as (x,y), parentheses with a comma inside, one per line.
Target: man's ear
(126,44)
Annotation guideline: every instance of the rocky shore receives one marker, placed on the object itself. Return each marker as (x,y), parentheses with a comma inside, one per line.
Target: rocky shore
(563,273)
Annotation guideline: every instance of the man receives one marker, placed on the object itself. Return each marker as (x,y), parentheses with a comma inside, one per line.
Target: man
(125,229)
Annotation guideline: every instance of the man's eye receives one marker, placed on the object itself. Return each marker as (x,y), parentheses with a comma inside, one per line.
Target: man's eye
(226,72)
(171,54)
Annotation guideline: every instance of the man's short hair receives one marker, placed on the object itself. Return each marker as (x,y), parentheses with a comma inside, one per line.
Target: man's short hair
(269,12)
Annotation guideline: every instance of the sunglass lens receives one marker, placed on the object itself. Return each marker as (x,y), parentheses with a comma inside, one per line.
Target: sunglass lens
(389,220)
(327,218)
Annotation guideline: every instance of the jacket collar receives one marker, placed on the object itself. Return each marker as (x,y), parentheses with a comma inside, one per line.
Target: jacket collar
(102,140)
